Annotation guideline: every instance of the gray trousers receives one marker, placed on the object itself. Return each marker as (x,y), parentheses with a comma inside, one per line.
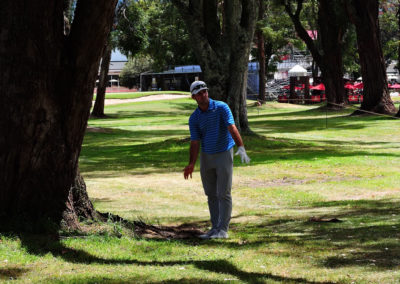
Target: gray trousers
(216,175)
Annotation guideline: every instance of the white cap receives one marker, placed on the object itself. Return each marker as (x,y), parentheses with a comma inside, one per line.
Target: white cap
(197,86)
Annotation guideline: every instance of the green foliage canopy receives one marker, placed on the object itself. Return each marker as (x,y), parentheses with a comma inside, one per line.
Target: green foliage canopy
(130,31)
(168,38)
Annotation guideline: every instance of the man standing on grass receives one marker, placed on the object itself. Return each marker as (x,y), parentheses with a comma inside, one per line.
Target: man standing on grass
(212,126)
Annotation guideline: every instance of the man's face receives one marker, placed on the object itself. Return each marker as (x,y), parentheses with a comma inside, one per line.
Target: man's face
(201,97)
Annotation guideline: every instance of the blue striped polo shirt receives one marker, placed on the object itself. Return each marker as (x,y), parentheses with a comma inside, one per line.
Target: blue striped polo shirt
(211,127)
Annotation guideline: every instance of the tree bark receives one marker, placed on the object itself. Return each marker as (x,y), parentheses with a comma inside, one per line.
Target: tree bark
(78,205)
(329,59)
(364,15)
(261,53)
(98,108)
(398,46)
(331,32)
(223,51)
(45,99)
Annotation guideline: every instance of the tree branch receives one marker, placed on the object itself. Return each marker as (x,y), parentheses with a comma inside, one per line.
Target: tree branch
(299,8)
(301,32)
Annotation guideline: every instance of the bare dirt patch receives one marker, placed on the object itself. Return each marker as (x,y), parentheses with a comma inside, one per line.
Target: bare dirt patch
(276,182)
(286,181)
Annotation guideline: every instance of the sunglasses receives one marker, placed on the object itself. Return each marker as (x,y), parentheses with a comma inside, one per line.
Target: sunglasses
(199,87)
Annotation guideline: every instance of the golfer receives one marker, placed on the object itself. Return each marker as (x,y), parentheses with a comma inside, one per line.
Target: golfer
(213,129)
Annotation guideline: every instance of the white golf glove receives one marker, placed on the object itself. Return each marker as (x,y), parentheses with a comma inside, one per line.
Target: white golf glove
(242,152)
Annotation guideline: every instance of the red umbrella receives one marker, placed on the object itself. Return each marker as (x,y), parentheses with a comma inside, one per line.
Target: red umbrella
(359,85)
(349,86)
(320,87)
(287,87)
(395,86)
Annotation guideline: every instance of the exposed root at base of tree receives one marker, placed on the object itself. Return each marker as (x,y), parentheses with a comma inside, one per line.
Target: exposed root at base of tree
(184,231)
(324,220)
(79,207)
(360,112)
(141,229)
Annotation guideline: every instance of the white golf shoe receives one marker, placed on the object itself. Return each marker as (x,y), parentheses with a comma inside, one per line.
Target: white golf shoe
(207,235)
(220,234)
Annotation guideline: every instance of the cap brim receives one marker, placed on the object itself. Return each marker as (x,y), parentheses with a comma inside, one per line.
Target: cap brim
(197,91)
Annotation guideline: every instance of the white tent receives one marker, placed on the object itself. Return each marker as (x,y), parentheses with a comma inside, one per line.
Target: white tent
(393,78)
(114,81)
(297,71)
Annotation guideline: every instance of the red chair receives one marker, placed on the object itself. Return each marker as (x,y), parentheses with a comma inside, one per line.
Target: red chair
(315,98)
(353,98)
(282,98)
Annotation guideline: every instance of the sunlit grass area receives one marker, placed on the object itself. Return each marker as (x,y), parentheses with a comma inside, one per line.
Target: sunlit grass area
(319,202)
(134,95)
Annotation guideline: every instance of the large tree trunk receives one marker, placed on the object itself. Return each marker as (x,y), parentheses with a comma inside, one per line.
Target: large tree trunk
(329,59)
(46,92)
(364,15)
(223,52)
(331,34)
(98,108)
(261,53)
(398,46)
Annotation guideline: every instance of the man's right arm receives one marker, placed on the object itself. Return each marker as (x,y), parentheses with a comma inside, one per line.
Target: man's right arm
(194,152)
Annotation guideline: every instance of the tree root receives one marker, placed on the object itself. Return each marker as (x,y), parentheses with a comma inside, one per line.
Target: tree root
(143,230)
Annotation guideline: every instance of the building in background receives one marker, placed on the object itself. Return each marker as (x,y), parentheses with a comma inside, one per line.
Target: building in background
(117,63)
(180,78)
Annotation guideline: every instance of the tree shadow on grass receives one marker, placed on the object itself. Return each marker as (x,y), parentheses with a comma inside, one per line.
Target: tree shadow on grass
(187,106)
(138,279)
(373,234)
(307,124)
(368,232)
(113,149)
(133,114)
(317,111)
(41,245)
(107,152)
(311,120)
(366,228)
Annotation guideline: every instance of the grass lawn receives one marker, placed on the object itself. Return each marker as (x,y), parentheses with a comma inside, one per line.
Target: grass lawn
(134,95)
(305,163)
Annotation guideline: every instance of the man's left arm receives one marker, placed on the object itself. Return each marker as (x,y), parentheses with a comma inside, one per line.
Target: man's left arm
(235,135)
(239,142)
